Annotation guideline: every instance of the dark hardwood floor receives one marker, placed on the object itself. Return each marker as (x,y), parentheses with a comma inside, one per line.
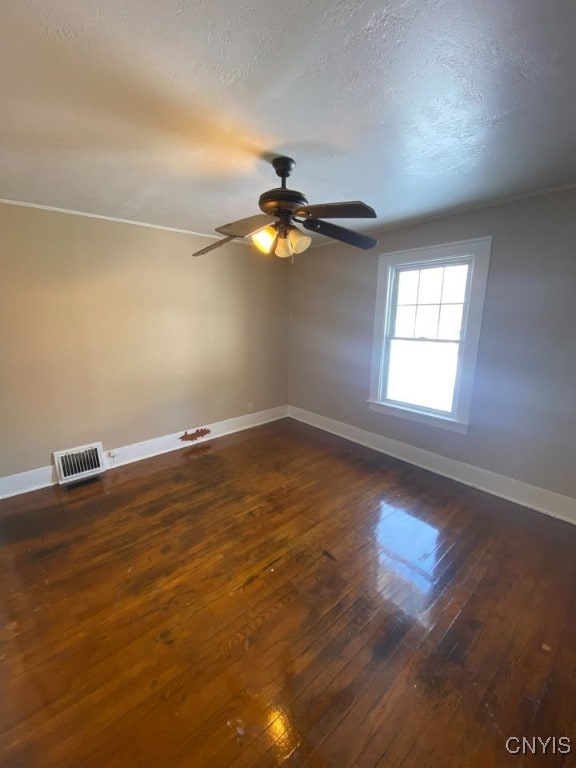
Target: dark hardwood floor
(282,597)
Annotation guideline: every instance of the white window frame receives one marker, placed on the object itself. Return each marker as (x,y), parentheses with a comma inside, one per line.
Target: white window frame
(477,254)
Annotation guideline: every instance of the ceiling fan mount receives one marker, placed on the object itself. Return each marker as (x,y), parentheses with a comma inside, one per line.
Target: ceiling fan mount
(282,202)
(283,166)
(273,230)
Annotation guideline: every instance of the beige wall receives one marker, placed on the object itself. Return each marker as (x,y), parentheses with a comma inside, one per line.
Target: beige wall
(524,402)
(113,332)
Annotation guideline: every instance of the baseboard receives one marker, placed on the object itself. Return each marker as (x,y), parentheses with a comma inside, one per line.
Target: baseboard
(34,479)
(539,499)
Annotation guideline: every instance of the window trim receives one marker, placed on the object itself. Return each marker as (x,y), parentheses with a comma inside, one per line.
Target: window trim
(477,252)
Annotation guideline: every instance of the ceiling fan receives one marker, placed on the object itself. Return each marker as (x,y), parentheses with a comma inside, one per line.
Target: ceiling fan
(273,230)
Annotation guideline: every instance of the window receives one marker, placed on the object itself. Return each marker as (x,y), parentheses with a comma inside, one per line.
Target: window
(427,328)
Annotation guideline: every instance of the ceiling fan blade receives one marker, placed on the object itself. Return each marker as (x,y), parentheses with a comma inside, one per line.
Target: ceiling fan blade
(245,227)
(352,210)
(211,247)
(340,233)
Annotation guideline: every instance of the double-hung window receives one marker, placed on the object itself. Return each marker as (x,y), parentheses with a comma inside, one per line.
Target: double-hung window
(427,329)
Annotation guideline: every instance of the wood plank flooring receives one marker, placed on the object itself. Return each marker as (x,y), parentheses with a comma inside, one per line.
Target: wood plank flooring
(282,597)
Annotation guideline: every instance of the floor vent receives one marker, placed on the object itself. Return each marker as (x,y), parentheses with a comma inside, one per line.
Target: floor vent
(78,463)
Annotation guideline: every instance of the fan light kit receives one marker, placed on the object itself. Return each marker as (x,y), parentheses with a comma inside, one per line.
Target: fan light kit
(282,242)
(273,230)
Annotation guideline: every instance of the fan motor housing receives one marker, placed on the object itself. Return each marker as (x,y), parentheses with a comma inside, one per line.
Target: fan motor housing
(281,202)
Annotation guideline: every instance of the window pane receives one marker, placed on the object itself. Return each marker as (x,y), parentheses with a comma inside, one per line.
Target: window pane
(454,289)
(405,320)
(430,285)
(427,322)
(408,286)
(422,373)
(450,321)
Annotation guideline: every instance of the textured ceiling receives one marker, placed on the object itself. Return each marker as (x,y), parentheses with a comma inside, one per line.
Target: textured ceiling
(160,111)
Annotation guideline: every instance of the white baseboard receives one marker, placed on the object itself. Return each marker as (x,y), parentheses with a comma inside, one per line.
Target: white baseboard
(33,480)
(548,502)
(12,485)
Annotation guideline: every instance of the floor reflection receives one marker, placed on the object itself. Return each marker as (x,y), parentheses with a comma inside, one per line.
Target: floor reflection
(282,734)
(408,550)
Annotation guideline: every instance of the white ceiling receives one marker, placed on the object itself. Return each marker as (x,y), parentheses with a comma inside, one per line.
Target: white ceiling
(160,111)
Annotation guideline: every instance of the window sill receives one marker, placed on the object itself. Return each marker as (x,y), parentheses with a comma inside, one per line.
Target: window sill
(443,422)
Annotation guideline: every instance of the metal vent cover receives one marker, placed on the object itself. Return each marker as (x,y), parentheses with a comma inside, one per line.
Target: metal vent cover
(78,463)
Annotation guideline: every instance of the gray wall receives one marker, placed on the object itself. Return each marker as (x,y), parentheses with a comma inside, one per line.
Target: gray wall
(524,401)
(113,332)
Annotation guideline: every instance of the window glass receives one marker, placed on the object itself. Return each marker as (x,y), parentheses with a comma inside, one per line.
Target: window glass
(454,288)
(422,373)
(408,286)
(430,285)
(405,321)
(427,321)
(450,323)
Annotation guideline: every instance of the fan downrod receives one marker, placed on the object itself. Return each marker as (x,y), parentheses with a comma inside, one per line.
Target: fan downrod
(282,202)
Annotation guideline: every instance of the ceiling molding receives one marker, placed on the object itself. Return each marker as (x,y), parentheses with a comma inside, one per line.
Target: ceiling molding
(109,218)
(319,243)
